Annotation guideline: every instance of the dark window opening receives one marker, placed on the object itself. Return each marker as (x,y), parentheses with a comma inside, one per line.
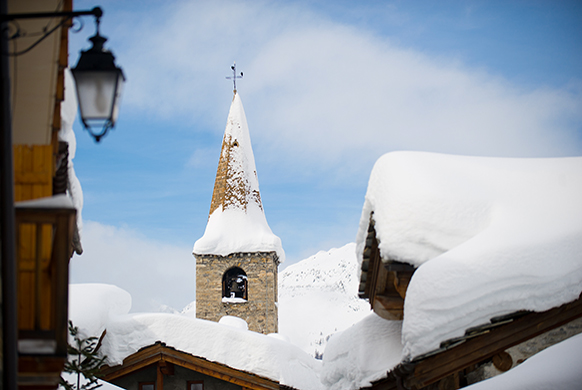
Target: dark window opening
(234,284)
(147,386)
(195,385)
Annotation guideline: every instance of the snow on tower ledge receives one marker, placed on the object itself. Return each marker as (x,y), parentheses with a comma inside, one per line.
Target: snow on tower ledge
(237,221)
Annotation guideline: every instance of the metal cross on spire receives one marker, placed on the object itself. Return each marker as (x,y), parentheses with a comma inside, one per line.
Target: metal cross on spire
(234,76)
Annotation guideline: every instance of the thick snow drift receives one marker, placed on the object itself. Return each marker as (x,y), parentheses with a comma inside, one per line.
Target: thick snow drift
(489,236)
(95,307)
(235,347)
(235,230)
(92,305)
(238,223)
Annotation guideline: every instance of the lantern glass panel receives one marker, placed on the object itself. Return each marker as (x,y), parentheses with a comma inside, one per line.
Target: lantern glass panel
(96,91)
(119,90)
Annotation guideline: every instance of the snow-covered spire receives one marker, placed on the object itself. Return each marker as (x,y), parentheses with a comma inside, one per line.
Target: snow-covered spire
(237,222)
(236,184)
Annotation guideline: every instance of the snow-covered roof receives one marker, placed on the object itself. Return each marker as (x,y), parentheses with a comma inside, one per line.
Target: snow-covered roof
(227,342)
(489,236)
(353,360)
(237,348)
(237,221)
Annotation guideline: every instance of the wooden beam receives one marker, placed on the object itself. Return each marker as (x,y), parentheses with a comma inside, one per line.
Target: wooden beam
(166,367)
(391,289)
(370,264)
(374,266)
(503,361)
(390,308)
(159,377)
(112,373)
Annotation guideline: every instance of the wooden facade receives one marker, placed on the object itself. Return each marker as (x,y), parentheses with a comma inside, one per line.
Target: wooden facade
(44,229)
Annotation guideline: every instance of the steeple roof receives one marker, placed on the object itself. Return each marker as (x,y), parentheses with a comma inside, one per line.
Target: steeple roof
(237,221)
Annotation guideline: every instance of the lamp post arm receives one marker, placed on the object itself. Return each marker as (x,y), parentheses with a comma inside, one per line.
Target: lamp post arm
(67,15)
(97,12)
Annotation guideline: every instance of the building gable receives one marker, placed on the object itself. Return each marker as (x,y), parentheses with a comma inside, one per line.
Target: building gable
(170,368)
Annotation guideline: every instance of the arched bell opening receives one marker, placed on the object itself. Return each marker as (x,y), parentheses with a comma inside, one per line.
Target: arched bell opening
(235,284)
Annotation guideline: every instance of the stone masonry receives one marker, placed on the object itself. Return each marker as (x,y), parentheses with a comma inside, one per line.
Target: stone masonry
(260,310)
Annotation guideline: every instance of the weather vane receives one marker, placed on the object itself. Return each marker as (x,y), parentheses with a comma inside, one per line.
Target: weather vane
(234,76)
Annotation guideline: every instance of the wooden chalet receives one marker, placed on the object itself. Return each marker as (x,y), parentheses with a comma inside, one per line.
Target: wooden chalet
(35,291)
(158,365)
(384,282)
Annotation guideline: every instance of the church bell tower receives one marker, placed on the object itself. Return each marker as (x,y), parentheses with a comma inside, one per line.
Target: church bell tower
(238,255)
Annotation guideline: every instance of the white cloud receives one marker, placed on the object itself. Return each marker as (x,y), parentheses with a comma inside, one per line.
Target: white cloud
(353,92)
(323,99)
(154,273)
(329,92)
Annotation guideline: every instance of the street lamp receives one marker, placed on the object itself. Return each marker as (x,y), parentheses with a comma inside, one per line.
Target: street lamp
(99,83)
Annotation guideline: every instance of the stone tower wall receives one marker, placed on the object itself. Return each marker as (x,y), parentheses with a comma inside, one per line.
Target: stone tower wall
(260,310)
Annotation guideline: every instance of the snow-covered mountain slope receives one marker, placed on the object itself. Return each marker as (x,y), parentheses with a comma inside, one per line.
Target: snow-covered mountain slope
(318,297)
(189,310)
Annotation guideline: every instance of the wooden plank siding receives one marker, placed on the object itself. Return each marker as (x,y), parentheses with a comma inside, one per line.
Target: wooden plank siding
(33,171)
(43,269)
(34,276)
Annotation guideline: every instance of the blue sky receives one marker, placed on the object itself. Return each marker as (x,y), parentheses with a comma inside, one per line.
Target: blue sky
(328,87)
